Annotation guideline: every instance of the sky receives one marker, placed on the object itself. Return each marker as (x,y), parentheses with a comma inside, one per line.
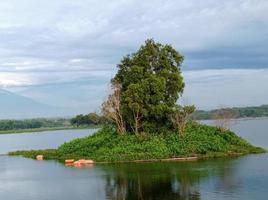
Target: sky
(63,53)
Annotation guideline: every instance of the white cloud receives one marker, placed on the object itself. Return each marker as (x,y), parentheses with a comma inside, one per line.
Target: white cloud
(53,42)
(47,34)
(14,79)
(206,89)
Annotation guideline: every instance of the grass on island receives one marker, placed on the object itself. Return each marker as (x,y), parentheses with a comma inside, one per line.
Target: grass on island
(107,146)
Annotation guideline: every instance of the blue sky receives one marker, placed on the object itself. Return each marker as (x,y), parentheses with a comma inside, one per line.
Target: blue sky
(63,52)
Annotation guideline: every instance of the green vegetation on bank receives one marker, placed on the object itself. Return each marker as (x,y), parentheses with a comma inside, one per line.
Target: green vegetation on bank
(48,129)
(38,123)
(107,146)
(235,112)
(91,120)
(147,123)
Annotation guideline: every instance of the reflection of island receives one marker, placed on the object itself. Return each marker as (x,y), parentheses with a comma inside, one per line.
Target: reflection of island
(227,179)
(160,180)
(140,188)
(152,181)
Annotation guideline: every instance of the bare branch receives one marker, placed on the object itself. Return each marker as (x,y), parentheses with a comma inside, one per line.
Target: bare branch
(223,118)
(181,116)
(111,108)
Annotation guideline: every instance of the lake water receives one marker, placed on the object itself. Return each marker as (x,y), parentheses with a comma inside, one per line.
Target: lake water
(233,178)
(41,140)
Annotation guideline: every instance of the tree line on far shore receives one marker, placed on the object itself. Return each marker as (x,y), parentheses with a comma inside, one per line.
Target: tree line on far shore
(99,119)
(37,123)
(89,119)
(235,112)
(33,123)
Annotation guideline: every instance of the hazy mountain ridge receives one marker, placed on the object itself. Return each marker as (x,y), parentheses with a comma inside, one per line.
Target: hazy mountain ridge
(14,106)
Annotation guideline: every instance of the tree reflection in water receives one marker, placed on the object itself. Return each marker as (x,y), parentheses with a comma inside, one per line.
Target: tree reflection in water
(152,181)
(160,180)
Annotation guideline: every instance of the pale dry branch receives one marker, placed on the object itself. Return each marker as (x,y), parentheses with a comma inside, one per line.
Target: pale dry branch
(181,116)
(111,108)
(223,119)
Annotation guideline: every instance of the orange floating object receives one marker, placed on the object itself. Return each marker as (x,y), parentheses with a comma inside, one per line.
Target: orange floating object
(89,161)
(82,161)
(79,163)
(70,161)
(39,157)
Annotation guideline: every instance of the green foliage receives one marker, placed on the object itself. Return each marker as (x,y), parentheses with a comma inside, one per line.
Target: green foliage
(89,119)
(151,83)
(106,145)
(33,123)
(257,111)
(50,154)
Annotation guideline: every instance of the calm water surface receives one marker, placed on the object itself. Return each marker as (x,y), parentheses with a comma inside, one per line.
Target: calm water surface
(39,140)
(237,178)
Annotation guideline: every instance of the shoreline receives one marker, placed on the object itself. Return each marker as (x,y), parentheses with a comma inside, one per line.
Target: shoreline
(106,146)
(239,119)
(216,155)
(177,159)
(190,158)
(40,130)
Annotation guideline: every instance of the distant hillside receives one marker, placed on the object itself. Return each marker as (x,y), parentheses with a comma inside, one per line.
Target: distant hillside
(238,112)
(13,106)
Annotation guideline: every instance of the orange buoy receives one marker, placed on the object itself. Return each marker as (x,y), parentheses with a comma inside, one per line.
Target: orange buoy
(82,161)
(70,161)
(79,163)
(39,157)
(89,161)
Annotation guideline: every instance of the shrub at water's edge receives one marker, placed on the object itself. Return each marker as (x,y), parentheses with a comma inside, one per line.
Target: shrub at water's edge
(107,146)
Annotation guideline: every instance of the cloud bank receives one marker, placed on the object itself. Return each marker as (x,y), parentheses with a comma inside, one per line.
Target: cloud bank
(207,89)
(55,44)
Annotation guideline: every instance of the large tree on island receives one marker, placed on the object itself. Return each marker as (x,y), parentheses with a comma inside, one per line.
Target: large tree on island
(151,83)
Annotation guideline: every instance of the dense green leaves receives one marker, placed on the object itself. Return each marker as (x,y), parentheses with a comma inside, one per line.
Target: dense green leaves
(33,123)
(107,145)
(89,119)
(242,112)
(151,84)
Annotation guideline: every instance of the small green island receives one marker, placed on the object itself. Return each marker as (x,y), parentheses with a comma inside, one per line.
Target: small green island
(144,120)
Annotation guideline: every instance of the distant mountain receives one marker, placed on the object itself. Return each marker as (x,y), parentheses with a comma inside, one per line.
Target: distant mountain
(13,106)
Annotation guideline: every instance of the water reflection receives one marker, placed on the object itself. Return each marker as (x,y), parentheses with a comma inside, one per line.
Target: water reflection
(164,180)
(40,140)
(220,179)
